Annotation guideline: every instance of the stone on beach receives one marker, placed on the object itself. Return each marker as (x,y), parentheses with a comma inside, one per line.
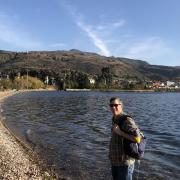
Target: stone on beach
(15,160)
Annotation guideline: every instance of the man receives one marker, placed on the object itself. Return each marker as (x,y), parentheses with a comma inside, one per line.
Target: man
(122,165)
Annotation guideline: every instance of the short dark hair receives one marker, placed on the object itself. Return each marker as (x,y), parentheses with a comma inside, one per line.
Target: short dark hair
(116,98)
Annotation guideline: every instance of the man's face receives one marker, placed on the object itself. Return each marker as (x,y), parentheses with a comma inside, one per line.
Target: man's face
(116,107)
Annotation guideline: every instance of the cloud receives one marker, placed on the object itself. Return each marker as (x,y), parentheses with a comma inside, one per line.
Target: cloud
(110,26)
(119,23)
(152,49)
(88,29)
(15,37)
(11,34)
(114,38)
(149,45)
(97,41)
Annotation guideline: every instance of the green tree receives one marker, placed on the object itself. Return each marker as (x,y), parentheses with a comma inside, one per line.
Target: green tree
(105,80)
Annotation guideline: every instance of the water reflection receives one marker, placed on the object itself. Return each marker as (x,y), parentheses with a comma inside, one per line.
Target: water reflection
(71,130)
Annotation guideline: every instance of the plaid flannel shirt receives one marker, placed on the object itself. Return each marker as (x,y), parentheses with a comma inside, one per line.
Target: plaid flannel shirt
(117,155)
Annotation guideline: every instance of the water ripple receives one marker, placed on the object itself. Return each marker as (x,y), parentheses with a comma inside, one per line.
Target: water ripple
(71,130)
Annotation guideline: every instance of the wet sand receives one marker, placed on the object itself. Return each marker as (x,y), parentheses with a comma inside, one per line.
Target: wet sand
(16,161)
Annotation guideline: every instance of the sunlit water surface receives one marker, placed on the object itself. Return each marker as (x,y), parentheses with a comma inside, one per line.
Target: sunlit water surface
(71,130)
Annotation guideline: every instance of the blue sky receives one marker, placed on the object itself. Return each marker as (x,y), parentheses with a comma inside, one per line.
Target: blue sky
(140,29)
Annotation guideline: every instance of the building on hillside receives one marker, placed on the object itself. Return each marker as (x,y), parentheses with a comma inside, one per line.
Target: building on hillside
(157,84)
(170,83)
(46,80)
(92,80)
(162,85)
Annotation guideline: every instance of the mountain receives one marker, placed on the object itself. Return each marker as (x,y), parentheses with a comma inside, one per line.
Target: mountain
(56,63)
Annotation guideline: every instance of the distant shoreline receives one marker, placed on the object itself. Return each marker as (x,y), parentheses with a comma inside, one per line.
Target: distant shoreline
(95,90)
(109,90)
(126,90)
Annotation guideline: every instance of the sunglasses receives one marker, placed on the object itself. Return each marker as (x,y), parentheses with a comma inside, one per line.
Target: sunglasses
(114,105)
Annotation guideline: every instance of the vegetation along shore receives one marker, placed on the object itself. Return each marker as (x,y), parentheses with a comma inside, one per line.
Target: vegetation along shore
(76,69)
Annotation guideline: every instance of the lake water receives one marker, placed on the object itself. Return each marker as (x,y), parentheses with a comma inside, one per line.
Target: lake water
(71,130)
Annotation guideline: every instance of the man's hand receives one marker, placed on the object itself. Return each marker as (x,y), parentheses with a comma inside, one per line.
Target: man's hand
(118,131)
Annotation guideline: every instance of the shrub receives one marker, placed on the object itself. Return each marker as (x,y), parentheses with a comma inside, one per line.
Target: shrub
(6,84)
(28,83)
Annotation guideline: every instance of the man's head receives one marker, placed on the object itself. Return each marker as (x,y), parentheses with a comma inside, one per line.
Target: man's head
(116,106)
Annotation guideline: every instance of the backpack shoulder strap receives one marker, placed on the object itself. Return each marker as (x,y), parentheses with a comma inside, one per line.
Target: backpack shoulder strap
(121,120)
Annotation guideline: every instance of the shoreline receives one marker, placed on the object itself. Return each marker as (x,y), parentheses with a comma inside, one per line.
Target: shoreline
(110,90)
(16,160)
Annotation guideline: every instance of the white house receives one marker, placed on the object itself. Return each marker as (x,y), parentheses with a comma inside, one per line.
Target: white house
(170,83)
(92,81)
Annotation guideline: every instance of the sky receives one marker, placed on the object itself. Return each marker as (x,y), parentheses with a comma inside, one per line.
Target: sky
(147,30)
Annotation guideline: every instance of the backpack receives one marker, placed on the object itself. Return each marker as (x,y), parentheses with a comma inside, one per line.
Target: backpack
(132,149)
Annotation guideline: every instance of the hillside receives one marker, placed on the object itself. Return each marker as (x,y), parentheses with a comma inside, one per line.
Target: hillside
(56,63)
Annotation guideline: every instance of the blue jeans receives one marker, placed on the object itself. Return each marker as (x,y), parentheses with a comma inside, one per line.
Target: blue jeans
(122,172)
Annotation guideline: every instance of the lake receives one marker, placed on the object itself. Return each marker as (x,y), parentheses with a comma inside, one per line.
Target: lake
(70,130)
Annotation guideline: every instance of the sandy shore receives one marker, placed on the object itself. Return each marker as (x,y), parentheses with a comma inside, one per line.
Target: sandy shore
(16,161)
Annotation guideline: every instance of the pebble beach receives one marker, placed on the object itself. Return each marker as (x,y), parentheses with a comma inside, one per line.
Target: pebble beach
(16,161)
